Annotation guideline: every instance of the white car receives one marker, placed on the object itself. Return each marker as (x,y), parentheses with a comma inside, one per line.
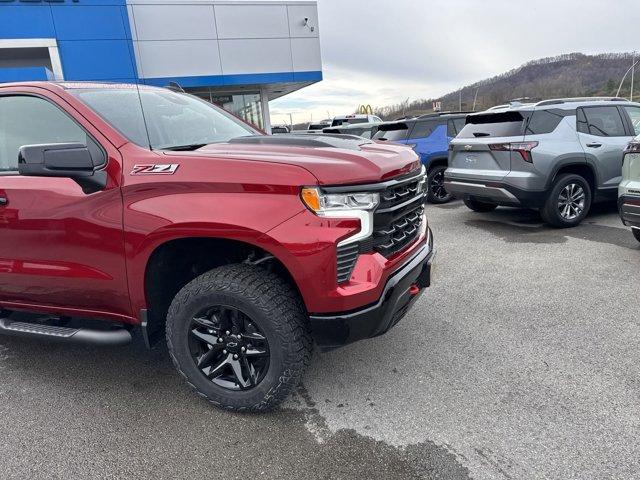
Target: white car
(629,189)
(355,118)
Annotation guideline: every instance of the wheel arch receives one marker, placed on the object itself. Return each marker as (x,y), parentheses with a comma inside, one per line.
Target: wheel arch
(437,160)
(584,169)
(174,262)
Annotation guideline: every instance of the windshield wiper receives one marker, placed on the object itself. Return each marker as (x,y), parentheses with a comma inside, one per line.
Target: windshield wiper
(184,148)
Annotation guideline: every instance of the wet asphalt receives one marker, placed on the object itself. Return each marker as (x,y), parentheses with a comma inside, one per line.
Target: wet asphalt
(521,362)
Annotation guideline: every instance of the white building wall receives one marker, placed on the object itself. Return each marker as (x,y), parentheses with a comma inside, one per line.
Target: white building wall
(217,37)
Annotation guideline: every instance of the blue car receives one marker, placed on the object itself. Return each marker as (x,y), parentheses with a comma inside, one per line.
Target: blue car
(429,135)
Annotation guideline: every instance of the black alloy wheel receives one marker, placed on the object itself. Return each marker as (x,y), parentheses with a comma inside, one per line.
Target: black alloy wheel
(228,348)
(239,335)
(435,183)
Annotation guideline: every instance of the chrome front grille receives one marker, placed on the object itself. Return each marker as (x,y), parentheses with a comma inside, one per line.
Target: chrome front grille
(398,219)
(391,234)
(398,194)
(397,222)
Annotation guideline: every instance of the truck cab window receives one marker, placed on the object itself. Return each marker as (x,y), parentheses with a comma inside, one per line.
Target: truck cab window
(28,120)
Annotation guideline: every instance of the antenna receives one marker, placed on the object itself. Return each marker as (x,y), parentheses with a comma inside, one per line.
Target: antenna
(175,86)
(144,118)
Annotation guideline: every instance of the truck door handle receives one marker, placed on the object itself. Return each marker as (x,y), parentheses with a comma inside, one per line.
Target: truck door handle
(594,145)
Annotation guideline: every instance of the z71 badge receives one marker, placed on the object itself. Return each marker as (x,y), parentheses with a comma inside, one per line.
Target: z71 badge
(159,169)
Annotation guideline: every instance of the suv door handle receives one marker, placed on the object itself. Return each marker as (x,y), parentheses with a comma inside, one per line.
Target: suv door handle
(594,145)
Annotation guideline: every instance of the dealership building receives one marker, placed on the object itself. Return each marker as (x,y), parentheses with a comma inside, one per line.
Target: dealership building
(238,54)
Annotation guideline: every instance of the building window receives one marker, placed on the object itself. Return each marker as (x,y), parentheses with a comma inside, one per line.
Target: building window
(247,106)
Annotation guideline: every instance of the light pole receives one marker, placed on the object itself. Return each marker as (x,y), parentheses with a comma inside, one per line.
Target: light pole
(632,67)
(633,71)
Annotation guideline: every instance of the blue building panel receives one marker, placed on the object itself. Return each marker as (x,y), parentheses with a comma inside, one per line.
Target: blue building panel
(89,22)
(26,21)
(315,76)
(96,59)
(25,74)
(238,79)
(94,39)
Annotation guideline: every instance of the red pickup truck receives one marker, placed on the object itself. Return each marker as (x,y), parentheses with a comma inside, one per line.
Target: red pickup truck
(129,209)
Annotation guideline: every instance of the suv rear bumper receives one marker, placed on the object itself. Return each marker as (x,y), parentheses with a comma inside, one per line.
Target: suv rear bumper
(629,208)
(401,291)
(499,193)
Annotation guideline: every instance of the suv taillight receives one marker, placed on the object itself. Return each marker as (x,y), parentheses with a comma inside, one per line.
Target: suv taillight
(523,148)
(633,147)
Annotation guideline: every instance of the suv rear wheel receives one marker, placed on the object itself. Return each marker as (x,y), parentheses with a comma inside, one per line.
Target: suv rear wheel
(478,206)
(435,183)
(569,201)
(636,233)
(239,335)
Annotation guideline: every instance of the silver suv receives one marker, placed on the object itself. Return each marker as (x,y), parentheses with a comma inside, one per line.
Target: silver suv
(629,189)
(558,156)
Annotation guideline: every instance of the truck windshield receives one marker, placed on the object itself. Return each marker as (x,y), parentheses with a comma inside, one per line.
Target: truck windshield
(161,119)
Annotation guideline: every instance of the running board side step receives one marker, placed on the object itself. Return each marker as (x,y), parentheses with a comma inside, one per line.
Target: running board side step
(82,336)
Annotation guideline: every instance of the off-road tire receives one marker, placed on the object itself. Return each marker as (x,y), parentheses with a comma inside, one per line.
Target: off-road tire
(550,212)
(273,305)
(431,196)
(478,206)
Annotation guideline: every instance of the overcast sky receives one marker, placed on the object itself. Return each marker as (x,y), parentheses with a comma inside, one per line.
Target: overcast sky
(381,52)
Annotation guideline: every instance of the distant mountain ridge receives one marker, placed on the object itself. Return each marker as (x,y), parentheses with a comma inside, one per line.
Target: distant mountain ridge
(568,75)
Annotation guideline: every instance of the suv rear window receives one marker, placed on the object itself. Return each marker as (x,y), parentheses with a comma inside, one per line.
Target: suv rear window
(343,121)
(392,133)
(423,129)
(454,126)
(503,124)
(543,121)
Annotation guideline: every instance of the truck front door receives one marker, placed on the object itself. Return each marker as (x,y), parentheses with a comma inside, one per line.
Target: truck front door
(61,250)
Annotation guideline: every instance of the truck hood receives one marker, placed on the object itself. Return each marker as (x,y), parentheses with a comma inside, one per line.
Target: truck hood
(332,159)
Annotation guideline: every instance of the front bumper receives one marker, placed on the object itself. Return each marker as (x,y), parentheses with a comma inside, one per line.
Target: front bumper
(629,208)
(401,291)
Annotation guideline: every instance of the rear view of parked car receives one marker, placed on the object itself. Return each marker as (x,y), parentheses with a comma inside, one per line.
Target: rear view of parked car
(354,118)
(629,189)
(364,130)
(317,127)
(429,135)
(558,156)
(280,129)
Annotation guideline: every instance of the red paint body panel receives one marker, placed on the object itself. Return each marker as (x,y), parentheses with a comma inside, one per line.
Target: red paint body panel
(331,166)
(63,251)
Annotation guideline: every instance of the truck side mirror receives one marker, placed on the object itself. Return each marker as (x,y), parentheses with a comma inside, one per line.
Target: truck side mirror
(69,160)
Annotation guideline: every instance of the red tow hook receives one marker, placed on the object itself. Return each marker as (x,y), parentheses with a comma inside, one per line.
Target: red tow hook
(414,289)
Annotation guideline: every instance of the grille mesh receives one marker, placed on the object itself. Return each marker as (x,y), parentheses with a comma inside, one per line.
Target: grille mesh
(398,219)
(347,256)
(396,224)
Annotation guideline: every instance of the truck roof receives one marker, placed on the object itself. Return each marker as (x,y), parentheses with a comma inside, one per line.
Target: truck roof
(74,85)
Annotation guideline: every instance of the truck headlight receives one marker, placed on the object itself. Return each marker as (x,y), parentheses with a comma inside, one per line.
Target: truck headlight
(343,205)
(321,203)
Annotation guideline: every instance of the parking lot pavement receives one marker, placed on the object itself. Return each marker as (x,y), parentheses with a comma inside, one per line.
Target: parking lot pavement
(521,362)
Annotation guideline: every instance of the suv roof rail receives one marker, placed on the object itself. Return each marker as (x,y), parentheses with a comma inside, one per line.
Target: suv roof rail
(557,101)
(439,114)
(497,107)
